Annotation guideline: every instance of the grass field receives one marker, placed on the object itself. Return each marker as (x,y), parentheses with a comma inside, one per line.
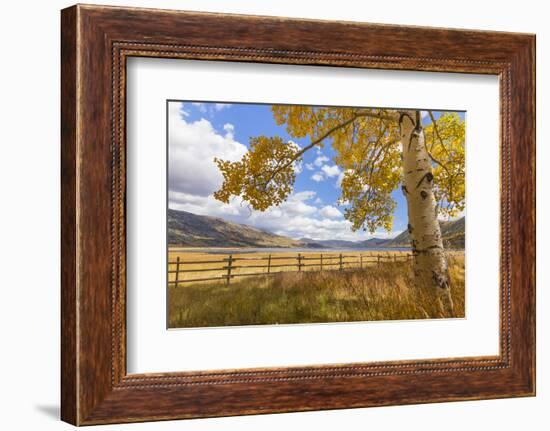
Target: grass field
(381,291)
(193,262)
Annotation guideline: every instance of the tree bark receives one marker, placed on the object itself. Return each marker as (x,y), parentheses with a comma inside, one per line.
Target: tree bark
(430,262)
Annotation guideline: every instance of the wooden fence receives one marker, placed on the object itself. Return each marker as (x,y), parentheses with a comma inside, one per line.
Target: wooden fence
(272,265)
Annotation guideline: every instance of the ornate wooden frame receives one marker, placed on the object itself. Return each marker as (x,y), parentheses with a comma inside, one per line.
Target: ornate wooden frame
(96,41)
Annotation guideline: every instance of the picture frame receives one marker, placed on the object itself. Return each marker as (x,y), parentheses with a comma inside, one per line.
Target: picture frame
(96,42)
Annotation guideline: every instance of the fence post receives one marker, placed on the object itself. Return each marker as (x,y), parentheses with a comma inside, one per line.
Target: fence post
(178,271)
(378,259)
(269,264)
(395,258)
(299,262)
(341,263)
(229,265)
(321,261)
(361,261)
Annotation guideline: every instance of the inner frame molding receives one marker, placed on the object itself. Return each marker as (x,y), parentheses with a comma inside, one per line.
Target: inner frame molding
(96,42)
(353,363)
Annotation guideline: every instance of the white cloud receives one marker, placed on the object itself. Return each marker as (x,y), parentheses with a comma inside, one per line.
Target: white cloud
(460,214)
(192,148)
(320,160)
(210,108)
(328,211)
(317,177)
(220,106)
(175,110)
(193,177)
(304,196)
(385,234)
(286,211)
(295,218)
(295,145)
(340,179)
(319,229)
(331,171)
(229,130)
(300,226)
(310,167)
(206,205)
(328,172)
(200,106)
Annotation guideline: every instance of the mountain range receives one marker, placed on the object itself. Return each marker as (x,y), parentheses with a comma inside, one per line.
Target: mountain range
(451,231)
(191,230)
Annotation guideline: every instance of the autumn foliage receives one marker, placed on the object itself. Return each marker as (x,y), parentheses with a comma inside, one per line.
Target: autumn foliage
(367,146)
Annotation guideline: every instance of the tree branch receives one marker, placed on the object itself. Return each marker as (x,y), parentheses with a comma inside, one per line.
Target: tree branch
(433,159)
(317,141)
(451,176)
(436,130)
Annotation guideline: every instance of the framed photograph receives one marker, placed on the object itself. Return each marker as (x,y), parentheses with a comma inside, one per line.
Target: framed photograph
(264,215)
(283,231)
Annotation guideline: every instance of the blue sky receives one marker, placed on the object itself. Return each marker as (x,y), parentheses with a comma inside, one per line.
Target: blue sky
(200,131)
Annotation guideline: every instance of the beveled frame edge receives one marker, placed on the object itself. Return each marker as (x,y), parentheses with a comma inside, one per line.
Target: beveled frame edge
(96,41)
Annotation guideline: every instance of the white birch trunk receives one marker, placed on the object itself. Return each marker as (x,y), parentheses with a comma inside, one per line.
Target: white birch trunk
(430,262)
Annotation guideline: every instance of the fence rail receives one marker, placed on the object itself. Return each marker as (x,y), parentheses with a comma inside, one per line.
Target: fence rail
(294,263)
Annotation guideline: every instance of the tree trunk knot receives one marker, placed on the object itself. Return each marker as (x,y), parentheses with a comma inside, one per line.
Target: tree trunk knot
(415,134)
(440,280)
(428,176)
(423,194)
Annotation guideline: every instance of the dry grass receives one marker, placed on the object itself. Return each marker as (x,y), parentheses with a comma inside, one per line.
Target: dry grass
(382,292)
(282,261)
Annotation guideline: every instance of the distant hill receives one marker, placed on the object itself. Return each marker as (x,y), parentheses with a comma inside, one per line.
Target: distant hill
(329,243)
(190,230)
(335,243)
(375,242)
(453,233)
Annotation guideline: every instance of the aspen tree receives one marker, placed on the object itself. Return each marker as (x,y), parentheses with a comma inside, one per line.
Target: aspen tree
(377,151)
